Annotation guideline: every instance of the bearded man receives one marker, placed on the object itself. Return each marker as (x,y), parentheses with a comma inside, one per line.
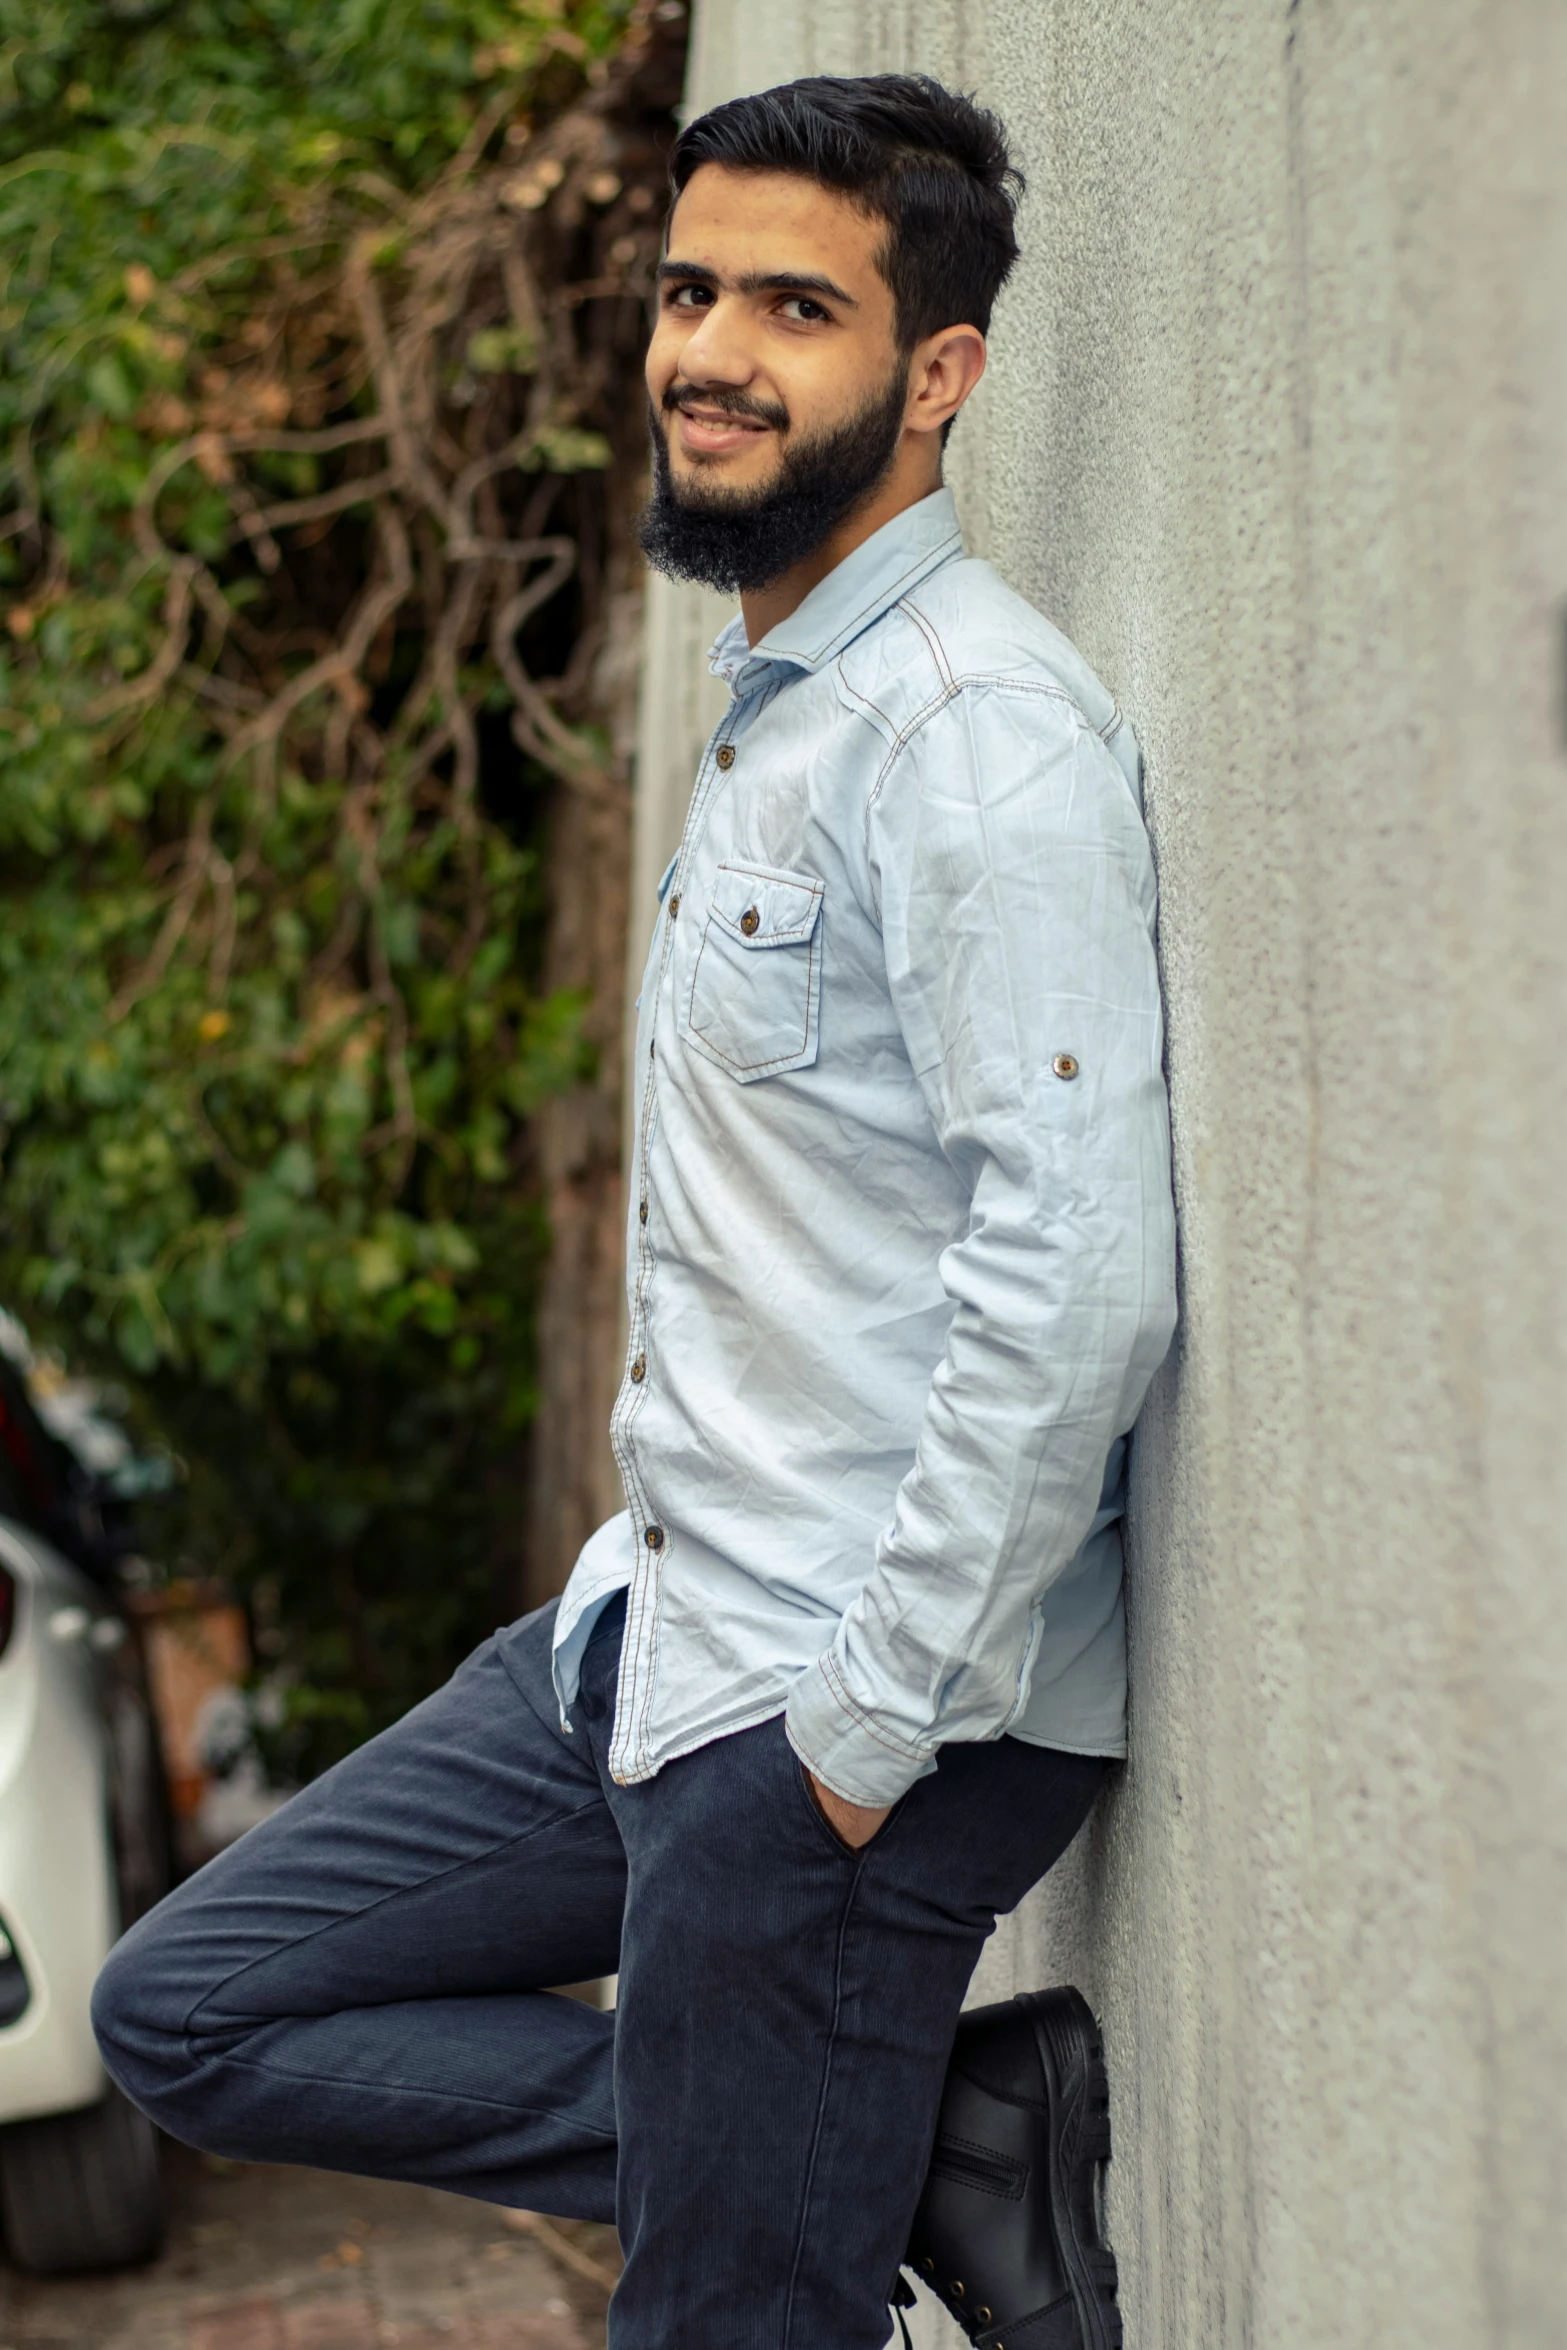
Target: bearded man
(845,1676)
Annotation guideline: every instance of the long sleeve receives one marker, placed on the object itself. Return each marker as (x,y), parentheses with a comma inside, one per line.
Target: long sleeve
(1017,897)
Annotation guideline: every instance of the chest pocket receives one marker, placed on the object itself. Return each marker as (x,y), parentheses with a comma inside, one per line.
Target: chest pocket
(755,999)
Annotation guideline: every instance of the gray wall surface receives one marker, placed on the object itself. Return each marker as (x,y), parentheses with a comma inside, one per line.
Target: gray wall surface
(1276,428)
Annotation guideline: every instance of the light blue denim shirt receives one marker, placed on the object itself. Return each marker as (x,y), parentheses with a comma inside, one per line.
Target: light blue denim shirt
(901,1246)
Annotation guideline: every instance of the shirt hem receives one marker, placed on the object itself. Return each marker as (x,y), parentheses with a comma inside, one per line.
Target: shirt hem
(1113,1753)
(647,1765)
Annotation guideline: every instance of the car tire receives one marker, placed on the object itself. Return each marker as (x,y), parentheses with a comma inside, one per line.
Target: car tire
(138,1796)
(82,2190)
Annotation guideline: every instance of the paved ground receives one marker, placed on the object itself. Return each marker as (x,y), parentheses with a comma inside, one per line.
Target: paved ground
(263,2259)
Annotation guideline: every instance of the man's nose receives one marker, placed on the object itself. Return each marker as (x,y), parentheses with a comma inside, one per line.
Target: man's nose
(718,351)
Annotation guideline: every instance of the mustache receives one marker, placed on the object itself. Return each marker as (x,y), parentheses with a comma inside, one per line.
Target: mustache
(733,403)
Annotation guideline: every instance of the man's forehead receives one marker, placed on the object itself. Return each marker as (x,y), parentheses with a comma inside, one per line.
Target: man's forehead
(732,222)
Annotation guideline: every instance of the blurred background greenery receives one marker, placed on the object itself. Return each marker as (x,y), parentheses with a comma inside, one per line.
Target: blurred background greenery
(317,461)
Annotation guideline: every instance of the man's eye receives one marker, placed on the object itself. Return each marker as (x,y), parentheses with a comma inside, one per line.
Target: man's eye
(801,307)
(689,297)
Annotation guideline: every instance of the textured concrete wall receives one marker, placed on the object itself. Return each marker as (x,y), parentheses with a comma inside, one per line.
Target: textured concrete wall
(1276,428)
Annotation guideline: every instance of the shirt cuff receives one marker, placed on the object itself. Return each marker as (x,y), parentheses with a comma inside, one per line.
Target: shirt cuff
(854,1757)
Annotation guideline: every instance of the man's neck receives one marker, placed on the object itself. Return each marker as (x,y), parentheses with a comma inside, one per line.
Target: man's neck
(913,477)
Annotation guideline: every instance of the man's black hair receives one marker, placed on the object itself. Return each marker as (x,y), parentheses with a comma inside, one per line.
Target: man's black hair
(931,164)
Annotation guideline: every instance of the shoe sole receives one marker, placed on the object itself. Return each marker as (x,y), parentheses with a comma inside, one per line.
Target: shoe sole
(1071,2053)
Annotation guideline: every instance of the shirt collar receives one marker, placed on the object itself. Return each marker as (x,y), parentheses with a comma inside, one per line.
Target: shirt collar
(864,585)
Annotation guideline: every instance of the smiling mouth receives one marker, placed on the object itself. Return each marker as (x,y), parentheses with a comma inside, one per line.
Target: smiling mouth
(720,423)
(715,431)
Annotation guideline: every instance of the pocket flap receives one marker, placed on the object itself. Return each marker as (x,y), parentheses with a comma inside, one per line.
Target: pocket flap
(765,907)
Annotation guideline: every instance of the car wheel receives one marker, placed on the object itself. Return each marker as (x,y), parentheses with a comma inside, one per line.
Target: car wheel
(138,1799)
(82,2190)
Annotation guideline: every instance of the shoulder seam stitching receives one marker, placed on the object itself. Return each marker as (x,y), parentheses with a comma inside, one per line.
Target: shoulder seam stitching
(927,631)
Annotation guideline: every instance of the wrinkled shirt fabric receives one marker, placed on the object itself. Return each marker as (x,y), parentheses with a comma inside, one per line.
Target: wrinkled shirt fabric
(900,1258)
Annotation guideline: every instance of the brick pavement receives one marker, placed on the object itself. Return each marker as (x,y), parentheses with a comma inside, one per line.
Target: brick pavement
(265,2259)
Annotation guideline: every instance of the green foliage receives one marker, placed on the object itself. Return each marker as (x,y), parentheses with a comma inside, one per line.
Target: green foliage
(291,82)
(271,1029)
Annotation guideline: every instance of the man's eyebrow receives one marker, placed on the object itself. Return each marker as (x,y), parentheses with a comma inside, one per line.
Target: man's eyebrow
(756,281)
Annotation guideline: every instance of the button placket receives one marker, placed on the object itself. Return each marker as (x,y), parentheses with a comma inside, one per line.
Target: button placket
(629,1756)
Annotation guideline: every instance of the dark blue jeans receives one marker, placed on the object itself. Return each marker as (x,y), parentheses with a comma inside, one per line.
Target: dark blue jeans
(362,1984)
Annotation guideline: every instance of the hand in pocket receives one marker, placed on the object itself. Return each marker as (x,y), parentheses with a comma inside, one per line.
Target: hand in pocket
(854,1824)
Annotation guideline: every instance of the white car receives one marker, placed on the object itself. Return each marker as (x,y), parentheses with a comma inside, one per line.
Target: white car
(83,1852)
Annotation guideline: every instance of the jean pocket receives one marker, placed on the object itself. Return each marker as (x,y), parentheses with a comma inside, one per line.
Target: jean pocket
(848,1851)
(755,1001)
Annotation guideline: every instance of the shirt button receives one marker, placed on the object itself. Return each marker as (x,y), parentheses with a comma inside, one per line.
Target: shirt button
(726,756)
(750,922)
(654,1537)
(1064,1065)
(639,1370)
(674,905)
(642,1211)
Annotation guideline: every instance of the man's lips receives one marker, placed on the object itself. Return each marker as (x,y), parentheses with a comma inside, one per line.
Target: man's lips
(709,432)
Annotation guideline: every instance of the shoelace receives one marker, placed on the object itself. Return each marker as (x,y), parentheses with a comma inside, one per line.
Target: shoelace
(898,2300)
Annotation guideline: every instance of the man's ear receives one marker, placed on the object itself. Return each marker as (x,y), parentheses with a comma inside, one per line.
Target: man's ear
(943,371)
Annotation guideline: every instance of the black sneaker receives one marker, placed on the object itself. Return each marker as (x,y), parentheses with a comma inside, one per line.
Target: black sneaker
(1007,2230)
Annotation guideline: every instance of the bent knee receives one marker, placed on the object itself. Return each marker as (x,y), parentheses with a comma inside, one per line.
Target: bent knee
(138,2015)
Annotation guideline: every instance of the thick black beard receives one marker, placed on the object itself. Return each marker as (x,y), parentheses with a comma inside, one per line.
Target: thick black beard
(739,539)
